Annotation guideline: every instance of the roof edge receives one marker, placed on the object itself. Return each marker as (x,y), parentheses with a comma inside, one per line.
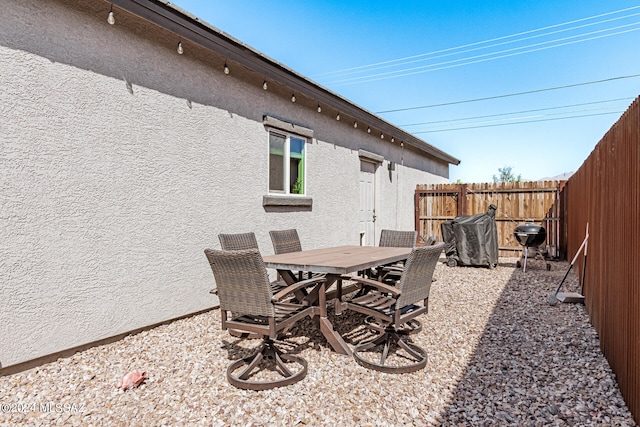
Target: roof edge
(190,27)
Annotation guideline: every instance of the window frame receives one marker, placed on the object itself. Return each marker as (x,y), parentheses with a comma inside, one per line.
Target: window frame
(286,163)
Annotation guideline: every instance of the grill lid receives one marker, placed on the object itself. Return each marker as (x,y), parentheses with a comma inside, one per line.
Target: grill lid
(530,234)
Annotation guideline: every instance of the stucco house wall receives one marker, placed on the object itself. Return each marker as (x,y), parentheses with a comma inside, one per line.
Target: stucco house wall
(121,160)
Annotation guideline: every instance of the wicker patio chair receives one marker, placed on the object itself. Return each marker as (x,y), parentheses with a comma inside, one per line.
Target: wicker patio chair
(430,241)
(285,241)
(392,273)
(242,241)
(243,289)
(394,239)
(392,312)
(398,239)
(237,242)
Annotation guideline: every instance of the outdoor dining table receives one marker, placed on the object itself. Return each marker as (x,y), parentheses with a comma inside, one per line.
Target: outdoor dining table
(334,262)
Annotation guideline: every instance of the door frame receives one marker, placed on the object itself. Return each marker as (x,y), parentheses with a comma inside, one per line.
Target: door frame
(374,160)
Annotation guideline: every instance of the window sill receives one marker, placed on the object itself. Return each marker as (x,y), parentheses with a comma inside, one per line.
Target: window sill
(299,201)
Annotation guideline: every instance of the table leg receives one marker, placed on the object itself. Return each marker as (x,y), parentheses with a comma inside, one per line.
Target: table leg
(290,278)
(333,337)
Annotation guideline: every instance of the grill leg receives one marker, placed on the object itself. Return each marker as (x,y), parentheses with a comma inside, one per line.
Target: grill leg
(526,254)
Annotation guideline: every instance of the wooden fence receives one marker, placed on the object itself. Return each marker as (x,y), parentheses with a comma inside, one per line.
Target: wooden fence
(516,203)
(605,193)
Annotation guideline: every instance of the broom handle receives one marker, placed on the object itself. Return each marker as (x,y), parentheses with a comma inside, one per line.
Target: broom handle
(573,261)
(584,243)
(552,297)
(584,263)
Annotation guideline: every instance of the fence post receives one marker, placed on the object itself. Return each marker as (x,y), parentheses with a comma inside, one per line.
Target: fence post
(416,204)
(462,200)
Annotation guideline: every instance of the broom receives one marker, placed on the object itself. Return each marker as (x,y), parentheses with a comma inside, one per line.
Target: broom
(552,298)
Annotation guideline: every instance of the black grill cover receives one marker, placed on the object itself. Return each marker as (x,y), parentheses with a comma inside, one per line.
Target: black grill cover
(472,240)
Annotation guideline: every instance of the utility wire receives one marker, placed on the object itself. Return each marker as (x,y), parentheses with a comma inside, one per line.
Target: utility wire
(518,123)
(481,42)
(484,58)
(457,51)
(509,94)
(511,119)
(517,112)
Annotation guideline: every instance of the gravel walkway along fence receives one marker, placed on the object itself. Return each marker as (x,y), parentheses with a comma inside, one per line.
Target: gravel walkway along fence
(498,355)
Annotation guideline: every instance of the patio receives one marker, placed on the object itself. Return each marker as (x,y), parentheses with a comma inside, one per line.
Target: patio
(498,355)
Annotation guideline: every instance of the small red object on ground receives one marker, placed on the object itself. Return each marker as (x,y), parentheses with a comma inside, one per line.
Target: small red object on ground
(132,379)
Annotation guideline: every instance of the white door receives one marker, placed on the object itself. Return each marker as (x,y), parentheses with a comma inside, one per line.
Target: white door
(367,203)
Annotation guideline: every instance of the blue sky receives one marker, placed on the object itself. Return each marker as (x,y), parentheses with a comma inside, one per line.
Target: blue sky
(399,55)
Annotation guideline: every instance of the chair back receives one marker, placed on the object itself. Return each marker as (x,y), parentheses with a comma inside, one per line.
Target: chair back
(285,241)
(398,239)
(238,242)
(415,283)
(430,241)
(242,281)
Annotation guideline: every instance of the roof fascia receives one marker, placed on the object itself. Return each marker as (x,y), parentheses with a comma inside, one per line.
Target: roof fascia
(189,27)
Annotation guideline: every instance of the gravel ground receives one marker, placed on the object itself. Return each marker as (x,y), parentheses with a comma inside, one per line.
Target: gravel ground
(498,355)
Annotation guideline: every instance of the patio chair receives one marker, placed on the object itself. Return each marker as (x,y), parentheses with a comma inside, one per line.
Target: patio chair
(237,242)
(392,312)
(391,273)
(242,241)
(395,239)
(430,241)
(243,289)
(285,241)
(398,239)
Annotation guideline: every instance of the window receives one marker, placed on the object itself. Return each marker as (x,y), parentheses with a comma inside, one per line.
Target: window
(286,163)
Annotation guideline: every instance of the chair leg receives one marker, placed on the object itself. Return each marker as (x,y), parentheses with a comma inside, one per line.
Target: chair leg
(410,327)
(416,356)
(275,361)
(243,334)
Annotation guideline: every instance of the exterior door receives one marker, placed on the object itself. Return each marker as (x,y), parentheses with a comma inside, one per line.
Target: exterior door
(367,203)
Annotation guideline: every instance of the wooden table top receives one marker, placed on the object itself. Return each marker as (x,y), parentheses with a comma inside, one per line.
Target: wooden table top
(337,260)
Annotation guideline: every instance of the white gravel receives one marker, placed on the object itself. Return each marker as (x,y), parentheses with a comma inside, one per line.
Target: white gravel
(498,355)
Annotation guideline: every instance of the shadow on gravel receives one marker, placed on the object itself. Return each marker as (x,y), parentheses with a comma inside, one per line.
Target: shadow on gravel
(537,365)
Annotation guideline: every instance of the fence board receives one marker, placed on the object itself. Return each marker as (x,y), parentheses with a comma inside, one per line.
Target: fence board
(516,202)
(605,192)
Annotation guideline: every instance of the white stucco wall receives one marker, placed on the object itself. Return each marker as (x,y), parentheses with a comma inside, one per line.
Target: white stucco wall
(120,161)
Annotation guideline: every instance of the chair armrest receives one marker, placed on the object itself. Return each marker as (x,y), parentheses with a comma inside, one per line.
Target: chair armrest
(393,269)
(391,275)
(296,286)
(378,285)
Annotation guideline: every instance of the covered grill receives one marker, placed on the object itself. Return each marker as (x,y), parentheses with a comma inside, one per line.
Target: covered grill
(472,240)
(530,235)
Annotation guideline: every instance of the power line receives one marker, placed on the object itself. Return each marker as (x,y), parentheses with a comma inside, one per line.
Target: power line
(505,43)
(518,112)
(517,123)
(509,94)
(485,57)
(483,42)
(450,51)
(513,119)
